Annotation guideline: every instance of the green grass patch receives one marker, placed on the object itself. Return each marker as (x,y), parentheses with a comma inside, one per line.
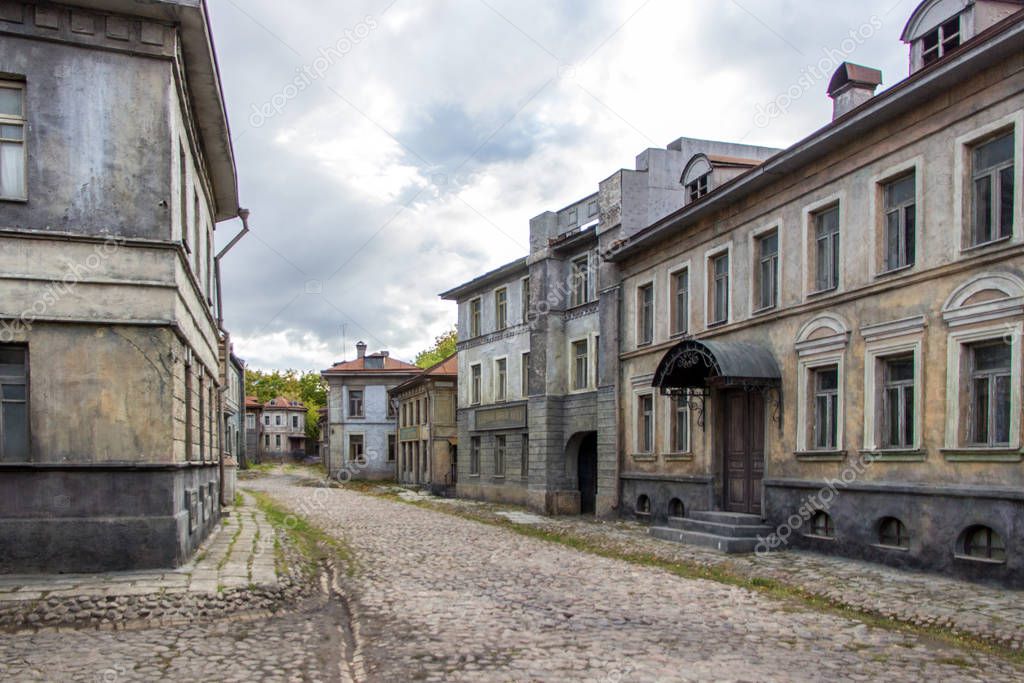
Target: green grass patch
(314,544)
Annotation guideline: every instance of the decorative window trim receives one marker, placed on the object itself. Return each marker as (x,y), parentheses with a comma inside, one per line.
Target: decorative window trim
(473,334)
(777,226)
(807,214)
(709,255)
(638,452)
(957,341)
(956,314)
(876,238)
(668,432)
(479,398)
(638,328)
(673,271)
(804,369)
(498,398)
(571,355)
(501,325)
(837,341)
(962,164)
(874,353)
(23,122)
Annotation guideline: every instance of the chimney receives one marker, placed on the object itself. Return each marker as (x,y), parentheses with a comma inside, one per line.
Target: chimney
(361,350)
(851,86)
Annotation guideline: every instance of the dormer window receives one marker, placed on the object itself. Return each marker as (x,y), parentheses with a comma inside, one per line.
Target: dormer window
(697,177)
(698,188)
(938,43)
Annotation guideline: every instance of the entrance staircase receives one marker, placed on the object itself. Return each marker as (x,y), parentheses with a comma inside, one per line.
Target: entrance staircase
(728,532)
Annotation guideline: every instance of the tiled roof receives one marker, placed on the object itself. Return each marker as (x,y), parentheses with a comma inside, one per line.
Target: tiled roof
(448,368)
(389,364)
(282,403)
(252,402)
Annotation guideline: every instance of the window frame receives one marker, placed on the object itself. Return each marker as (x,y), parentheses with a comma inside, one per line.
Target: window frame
(475,315)
(476,384)
(811,359)
(524,457)
(23,381)
(901,535)
(994,174)
(712,279)
(757,239)
(351,440)
(581,280)
(645,314)
(941,49)
(644,434)
(676,406)
(501,379)
(524,297)
(827,529)
(833,251)
(579,382)
(991,377)
(474,456)
(879,349)
(963,187)
(352,414)
(524,376)
(698,188)
(501,309)
(21,122)
(500,455)
(680,323)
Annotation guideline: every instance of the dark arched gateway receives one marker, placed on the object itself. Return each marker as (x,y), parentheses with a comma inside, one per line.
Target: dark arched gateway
(740,377)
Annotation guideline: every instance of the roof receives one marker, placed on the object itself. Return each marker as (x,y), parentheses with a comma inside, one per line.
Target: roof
(853,74)
(446,369)
(723,160)
(691,364)
(252,402)
(282,403)
(499,274)
(390,364)
(996,43)
(202,75)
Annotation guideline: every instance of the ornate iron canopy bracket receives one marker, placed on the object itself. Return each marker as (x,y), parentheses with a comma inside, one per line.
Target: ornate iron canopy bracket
(696,400)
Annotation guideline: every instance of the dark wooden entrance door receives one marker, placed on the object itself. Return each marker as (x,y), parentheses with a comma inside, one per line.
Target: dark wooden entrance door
(743,438)
(587,471)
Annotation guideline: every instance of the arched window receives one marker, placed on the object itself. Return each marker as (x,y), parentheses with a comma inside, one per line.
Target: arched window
(892,533)
(821,525)
(697,177)
(643,505)
(676,508)
(983,543)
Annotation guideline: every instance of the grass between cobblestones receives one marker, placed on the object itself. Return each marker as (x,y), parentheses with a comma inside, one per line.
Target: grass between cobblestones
(770,587)
(316,546)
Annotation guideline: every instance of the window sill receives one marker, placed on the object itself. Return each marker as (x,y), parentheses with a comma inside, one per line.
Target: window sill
(764,311)
(897,548)
(984,245)
(678,457)
(822,293)
(644,457)
(820,456)
(15,200)
(644,345)
(498,477)
(816,537)
(719,323)
(895,455)
(473,476)
(1007,455)
(679,335)
(893,272)
(979,560)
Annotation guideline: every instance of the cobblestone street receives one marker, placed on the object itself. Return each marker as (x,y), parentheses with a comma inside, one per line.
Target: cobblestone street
(436,597)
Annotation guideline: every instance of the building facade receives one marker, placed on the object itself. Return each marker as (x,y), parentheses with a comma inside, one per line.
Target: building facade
(110,346)
(233,405)
(427,434)
(361,416)
(254,429)
(831,342)
(283,429)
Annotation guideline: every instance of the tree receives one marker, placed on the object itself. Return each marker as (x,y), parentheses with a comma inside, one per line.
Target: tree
(444,346)
(307,387)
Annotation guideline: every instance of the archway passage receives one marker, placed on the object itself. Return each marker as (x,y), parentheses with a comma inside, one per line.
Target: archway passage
(586,469)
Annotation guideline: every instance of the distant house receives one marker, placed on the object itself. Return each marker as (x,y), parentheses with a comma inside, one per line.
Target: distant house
(427,427)
(361,417)
(253,429)
(284,428)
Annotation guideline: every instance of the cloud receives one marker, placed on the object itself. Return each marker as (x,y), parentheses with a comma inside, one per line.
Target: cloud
(416,160)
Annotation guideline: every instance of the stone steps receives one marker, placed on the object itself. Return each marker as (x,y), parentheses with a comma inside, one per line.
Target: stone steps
(727,532)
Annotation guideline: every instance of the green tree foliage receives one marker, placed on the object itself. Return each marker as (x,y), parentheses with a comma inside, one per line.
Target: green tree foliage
(308,387)
(443,347)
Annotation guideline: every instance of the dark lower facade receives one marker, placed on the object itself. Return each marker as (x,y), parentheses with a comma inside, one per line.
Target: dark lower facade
(655,498)
(100,518)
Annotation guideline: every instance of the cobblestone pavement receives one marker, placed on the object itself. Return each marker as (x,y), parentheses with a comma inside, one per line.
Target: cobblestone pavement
(987,612)
(437,597)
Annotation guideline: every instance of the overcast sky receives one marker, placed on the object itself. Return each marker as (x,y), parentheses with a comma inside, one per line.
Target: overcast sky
(392,149)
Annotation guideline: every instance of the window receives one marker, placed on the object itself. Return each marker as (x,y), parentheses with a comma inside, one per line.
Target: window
(719,289)
(183,195)
(676,508)
(356,448)
(645,314)
(501,308)
(392,449)
(893,534)
(524,461)
(295,421)
(355,403)
(525,296)
(526,375)
(821,525)
(13,405)
(900,222)
(941,41)
(645,424)
(574,217)
(474,318)
(768,271)
(992,175)
(374,363)
(266,440)
(698,188)
(580,365)
(266,420)
(277,440)
(419,417)
(826,408)
(12,141)
(681,299)
(250,421)
(474,455)
(981,542)
(643,506)
(500,444)
(500,379)
(591,208)
(680,425)
(474,384)
(826,236)
(392,408)
(277,420)
(989,411)
(898,403)
(580,280)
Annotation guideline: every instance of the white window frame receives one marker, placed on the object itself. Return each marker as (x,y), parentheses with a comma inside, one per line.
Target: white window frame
(640,341)
(500,396)
(21,121)
(479,327)
(808,236)
(476,389)
(816,352)
(637,450)
(963,185)
(875,355)
(348,446)
(571,353)
(670,426)
(524,374)
(500,325)
(877,242)
(672,273)
(775,225)
(588,280)
(710,255)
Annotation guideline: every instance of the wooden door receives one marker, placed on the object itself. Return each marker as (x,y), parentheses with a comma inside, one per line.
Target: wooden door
(743,439)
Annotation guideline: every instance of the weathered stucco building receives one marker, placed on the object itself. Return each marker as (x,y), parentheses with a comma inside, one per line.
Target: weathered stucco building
(361,417)
(116,166)
(831,341)
(283,429)
(427,431)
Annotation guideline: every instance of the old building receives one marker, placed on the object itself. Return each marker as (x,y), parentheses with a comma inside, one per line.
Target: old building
(233,405)
(283,429)
(427,433)
(362,420)
(831,341)
(116,166)
(254,429)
